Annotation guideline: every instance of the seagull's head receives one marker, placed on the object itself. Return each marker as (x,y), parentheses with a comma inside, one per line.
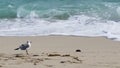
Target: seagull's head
(29,42)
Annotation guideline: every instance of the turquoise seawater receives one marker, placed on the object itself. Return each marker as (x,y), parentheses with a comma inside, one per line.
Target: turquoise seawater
(60,17)
(60,9)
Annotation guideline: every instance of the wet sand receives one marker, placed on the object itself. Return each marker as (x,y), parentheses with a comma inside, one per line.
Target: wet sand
(60,52)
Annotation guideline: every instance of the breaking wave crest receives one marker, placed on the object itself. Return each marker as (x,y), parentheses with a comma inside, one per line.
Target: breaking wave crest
(60,17)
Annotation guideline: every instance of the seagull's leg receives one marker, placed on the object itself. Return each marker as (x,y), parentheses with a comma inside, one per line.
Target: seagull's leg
(27,52)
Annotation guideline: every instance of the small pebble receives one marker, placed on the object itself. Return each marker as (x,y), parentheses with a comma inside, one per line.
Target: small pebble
(78,50)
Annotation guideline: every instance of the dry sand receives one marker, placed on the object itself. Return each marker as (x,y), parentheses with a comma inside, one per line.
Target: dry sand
(59,52)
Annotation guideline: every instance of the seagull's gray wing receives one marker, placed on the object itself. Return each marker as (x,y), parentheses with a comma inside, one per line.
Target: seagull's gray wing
(24,46)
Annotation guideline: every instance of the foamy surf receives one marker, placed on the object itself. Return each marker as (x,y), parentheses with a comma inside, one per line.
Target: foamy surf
(79,25)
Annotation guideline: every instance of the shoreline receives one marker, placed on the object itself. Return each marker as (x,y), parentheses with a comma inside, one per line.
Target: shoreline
(55,41)
(64,36)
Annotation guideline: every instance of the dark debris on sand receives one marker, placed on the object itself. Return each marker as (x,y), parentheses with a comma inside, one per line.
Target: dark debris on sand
(1,66)
(19,55)
(51,55)
(35,59)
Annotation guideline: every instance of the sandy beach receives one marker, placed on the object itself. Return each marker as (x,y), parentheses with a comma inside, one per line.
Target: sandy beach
(60,52)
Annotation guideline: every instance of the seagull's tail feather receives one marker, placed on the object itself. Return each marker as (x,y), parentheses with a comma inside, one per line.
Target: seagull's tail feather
(16,49)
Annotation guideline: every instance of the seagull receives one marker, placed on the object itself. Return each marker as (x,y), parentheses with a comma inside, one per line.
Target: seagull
(25,46)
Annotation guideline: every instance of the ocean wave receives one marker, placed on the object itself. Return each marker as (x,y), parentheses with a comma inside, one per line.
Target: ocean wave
(60,17)
(59,9)
(79,25)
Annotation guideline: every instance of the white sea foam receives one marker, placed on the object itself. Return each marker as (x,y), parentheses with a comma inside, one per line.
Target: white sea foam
(79,25)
